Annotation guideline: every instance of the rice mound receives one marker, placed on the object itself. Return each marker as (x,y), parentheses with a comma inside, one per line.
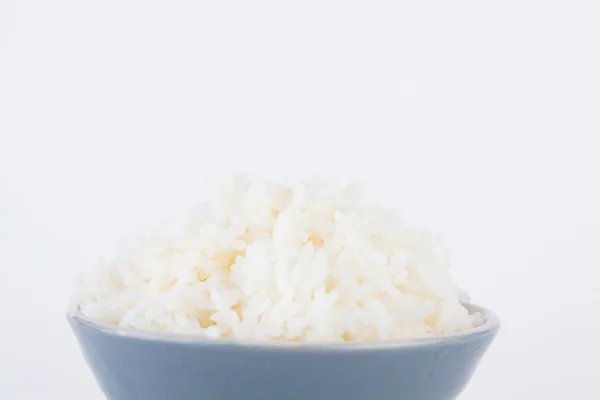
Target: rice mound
(309,262)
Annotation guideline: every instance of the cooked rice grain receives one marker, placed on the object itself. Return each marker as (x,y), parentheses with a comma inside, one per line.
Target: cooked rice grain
(309,262)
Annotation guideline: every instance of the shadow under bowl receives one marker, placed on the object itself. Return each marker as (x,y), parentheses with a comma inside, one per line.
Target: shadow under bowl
(135,365)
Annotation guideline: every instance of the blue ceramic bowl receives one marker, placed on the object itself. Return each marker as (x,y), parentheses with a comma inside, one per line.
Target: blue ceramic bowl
(134,365)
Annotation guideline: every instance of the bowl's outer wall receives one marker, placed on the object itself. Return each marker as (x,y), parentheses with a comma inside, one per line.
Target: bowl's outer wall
(129,368)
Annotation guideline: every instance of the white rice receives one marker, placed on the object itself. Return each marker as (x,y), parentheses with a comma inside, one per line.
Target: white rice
(310,262)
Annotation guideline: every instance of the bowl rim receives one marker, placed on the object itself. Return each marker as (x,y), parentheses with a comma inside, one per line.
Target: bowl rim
(490,326)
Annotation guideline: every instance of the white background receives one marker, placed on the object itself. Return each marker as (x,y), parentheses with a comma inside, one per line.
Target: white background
(479,119)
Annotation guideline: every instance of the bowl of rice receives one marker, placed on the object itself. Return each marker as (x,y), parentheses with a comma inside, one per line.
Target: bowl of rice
(269,291)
